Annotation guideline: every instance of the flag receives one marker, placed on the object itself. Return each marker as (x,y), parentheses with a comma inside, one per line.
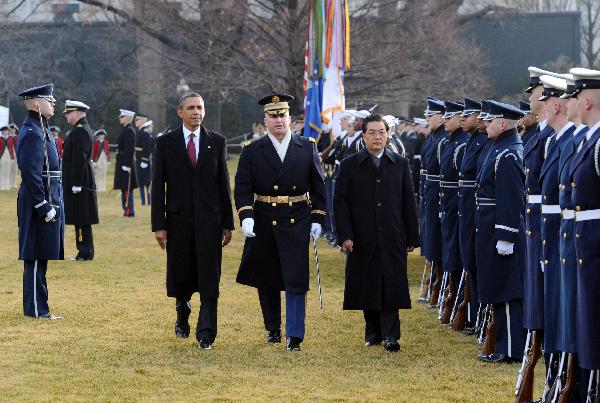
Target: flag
(312,120)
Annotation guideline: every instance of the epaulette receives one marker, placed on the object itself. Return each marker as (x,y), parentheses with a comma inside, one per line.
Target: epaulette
(312,139)
(245,143)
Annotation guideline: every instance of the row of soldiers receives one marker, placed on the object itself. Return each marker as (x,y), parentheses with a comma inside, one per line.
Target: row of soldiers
(9,137)
(507,224)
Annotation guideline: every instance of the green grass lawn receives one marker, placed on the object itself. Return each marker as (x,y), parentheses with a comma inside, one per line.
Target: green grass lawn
(116,342)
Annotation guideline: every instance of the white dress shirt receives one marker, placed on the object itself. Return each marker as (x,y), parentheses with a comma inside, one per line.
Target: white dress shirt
(566,127)
(590,132)
(186,138)
(282,147)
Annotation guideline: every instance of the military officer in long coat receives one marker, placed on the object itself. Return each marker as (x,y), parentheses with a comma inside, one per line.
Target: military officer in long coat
(79,187)
(376,218)
(40,201)
(125,172)
(500,231)
(283,170)
(585,182)
(192,216)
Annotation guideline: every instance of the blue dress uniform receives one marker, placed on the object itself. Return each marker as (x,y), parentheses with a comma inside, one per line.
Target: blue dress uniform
(499,217)
(40,191)
(528,132)
(565,339)
(277,258)
(550,232)
(143,151)
(466,211)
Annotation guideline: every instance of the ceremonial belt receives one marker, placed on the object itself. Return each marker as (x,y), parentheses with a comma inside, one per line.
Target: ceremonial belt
(534,199)
(282,199)
(52,174)
(550,209)
(485,201)
(432,178)
(446,184)
(467,183)
(587,215)
(568,214)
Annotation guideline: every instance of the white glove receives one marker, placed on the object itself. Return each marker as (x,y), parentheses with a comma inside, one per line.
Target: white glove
(126,169)
(315,230)
(248,227)
(143,165)
(50,215)
(108,163)
(76,189)
(504,248)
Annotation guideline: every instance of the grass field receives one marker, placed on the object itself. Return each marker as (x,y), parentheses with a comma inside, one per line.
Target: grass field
(116,342)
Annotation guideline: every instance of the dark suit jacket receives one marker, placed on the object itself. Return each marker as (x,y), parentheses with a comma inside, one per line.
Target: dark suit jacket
(194,205)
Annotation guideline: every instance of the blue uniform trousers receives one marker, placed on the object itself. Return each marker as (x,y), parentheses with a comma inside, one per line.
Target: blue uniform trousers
(35,289)
(510,333)
(295,311)
(127,212)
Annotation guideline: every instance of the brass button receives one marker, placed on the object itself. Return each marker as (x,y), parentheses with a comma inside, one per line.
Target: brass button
(577,208)
(544,242)
(528,211)
(580,261)
(545,261)
(293,187)
(564,261)
(290,203)
(573,184)
(564,235)
(545,197)
(528,233)
(577,236)
(292,220)
(274,222)
(528,190)
(545,220)
(274,204)
(276,187)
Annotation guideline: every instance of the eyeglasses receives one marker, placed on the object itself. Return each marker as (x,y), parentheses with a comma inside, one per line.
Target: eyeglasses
(374,133)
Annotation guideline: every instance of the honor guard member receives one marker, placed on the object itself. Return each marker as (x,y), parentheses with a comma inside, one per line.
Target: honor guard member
(556,117)
(450,159)
(40,201)
(55,130)
(125,176)
(143,151)
(566,340)
(358,143)
(100,159)
(7,152)
(283,171)
(466,205)
(533,158)
(79,187)
(528,124)
(431,193)
(585,182)
(500,231)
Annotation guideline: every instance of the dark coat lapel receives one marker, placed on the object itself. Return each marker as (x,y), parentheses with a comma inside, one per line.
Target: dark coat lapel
(269,152)
(586,147)
(290,156)
(180,147)
(205,143)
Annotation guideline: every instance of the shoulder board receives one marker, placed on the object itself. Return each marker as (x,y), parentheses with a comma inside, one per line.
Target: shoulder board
(312,140)
(245,143)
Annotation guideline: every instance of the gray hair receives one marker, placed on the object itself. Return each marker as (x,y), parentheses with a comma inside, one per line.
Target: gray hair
(186,96)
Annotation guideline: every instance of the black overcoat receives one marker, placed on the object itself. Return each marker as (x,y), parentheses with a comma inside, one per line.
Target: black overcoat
(376,209)
(278,257)
(125,152)
(81,208)
(194,205)
(143,150)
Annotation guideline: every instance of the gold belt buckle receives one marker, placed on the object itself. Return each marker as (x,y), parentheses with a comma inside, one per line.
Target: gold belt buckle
(283,199)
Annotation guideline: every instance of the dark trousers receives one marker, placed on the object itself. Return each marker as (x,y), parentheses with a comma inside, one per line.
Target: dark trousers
(510,333)
(381,325)
(127,211)
(84,240)
(206,328)
(144,194)
(35,289)
(295,311)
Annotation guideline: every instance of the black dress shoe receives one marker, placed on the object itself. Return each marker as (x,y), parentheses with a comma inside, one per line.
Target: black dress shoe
(204,345)
(497,358)
(274,336)
(80,258)
(182,331)
(293,343)
(373,341)
(391,345)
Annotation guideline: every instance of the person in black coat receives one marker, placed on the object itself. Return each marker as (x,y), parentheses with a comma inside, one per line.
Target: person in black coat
(192,216)
(79,187)
(376,220)
(125,172)
(143,151)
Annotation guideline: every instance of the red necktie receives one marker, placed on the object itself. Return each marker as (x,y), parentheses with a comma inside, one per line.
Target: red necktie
(191,150)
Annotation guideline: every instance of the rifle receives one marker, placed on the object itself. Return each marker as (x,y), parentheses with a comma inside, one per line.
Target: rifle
(424,285)
(449,301)
(460,317)
(557,384)
(524,389)
(489,344)
(443,291)
(564,395)
(483,324)
(435,289)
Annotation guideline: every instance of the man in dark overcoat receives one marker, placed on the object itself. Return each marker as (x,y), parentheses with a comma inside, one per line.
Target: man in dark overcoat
(79,187)
(125,172)
(191,215)
(376,218)
(283,170)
